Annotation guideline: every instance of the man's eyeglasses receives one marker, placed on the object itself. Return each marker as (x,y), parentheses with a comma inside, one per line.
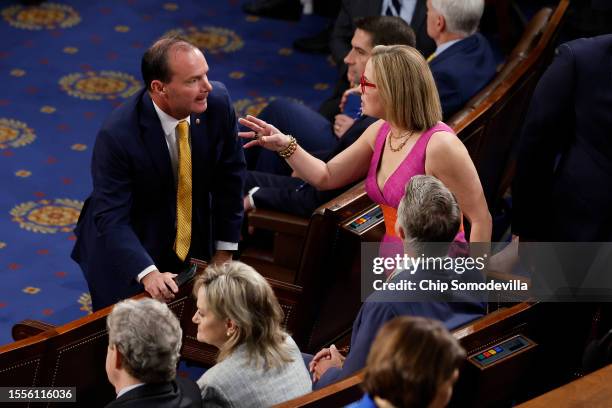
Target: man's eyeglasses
(364,83)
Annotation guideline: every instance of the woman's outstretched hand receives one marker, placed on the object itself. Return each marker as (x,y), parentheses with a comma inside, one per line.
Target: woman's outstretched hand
(263,134)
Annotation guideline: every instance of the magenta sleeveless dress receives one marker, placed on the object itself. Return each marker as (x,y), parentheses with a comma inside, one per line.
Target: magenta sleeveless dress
(393,190)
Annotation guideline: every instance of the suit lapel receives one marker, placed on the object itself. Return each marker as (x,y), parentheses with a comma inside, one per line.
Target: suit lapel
(155,140)
(419,17)
(369,8)
(453,49)
(199,145)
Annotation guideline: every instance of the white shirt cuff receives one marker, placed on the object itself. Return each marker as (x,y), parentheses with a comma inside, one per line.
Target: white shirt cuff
(145,272)
(250,195)
(226,246)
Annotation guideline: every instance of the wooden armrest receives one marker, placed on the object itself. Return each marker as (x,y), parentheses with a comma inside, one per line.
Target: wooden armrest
(28,328)
(348,203)
(278,222)
(334,395)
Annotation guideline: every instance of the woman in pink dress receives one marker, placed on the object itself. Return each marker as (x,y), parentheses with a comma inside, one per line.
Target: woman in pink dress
(397,86)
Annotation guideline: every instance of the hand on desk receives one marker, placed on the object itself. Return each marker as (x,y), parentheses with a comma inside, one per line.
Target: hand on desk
(160,286)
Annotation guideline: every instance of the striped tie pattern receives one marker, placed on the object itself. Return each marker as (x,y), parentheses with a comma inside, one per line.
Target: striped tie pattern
(183,192)
(394,8)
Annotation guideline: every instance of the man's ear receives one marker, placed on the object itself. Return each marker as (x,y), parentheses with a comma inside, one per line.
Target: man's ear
(117,358)
(399,230)
(158,87)
(441,23)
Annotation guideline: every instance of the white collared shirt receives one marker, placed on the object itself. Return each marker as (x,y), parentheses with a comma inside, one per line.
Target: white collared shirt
(407,11)
(128,388)
(443,47)
(169,124)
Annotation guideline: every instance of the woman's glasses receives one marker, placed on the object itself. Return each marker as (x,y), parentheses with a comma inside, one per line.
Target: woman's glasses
(364,83)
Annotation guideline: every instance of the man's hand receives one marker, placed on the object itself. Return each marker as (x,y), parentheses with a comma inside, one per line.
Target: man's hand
(324,360)
(341,124)
(160,286)
(247,204)
(220,257)
(345,95)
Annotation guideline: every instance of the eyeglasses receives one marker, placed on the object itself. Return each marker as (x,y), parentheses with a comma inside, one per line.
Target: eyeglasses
(364,83)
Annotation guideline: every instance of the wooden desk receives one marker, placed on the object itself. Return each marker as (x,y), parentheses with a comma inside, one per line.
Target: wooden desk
(593,390)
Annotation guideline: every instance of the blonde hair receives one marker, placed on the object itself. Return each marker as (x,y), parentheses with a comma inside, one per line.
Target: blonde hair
(237,292)
(406,86)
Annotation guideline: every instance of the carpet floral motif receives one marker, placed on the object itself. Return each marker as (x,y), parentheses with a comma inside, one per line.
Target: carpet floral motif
(48,16)
(94,85)
(212,39)
(14,133)
(48,216)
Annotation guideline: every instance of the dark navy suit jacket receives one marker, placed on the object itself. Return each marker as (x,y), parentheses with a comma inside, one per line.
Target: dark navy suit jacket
(344,26)
(461,71)
(180,393)
(128,222)
(374,314)
(561,190)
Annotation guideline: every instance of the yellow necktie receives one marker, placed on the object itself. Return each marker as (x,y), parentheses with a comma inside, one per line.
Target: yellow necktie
(432,56)
(183,192)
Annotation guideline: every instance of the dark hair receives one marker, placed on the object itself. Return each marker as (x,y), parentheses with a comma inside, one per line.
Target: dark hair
(387,30)
(154,64)
(410,359)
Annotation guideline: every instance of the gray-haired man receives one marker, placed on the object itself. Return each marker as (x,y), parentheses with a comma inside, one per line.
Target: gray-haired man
(144,340)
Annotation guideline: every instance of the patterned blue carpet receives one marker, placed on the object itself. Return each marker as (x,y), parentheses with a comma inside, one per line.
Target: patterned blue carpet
(64,66)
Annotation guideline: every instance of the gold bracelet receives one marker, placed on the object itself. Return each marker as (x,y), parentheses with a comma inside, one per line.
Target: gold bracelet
(290,149)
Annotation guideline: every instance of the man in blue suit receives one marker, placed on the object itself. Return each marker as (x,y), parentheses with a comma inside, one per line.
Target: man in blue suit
(428,213)
(269,185)
(564,166)
(168,175)
(463,62)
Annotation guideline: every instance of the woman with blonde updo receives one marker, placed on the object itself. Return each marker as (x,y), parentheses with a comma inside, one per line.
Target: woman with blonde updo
(259,364)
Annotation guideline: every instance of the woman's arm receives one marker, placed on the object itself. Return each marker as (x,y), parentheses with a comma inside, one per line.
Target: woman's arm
(448,160)
(350,165)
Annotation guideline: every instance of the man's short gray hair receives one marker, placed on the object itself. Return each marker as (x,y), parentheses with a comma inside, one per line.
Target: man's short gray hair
(148,336)
(461,16)
(428,211)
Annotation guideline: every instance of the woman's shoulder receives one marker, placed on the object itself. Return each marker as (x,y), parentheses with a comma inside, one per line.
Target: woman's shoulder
(443,138)
(225,370)
(375,129)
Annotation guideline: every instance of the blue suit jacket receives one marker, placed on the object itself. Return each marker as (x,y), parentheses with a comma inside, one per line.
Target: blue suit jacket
(561,189)
(128,222)
(461,71)
(374,314)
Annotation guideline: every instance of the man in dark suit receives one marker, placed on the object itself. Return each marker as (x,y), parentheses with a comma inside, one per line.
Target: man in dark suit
(564,166)
(463,62)
(411,11)
(168,175)
(144,343)
(428,213)
(274,188)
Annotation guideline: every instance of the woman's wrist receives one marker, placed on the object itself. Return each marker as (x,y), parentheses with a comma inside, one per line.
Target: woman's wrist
(289,148)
